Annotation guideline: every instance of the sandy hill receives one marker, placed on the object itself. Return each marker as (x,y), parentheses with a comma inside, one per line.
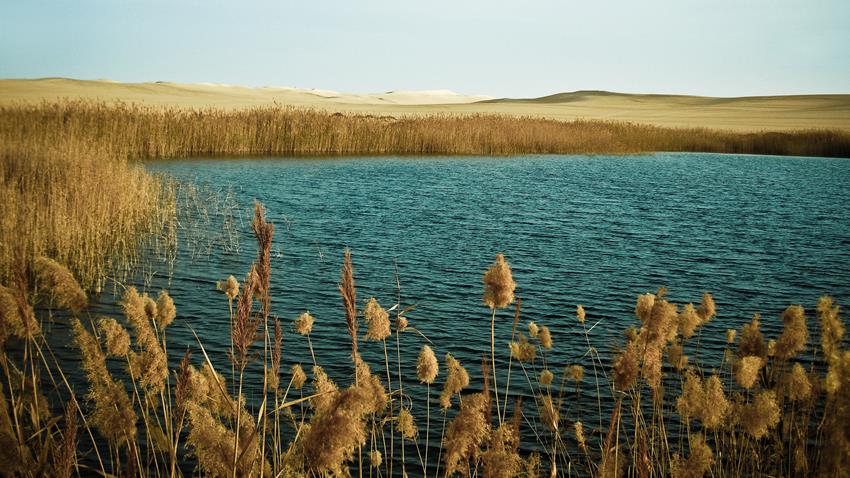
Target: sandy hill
(742,114)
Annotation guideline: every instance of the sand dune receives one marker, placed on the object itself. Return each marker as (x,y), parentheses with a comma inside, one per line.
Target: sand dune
(741,114)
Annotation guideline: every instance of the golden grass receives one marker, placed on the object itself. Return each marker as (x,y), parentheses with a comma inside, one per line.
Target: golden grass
(69,198)
(123,130)
(788,417)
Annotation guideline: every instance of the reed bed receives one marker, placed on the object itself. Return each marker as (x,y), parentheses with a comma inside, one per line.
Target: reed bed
(134,131)
(769,406)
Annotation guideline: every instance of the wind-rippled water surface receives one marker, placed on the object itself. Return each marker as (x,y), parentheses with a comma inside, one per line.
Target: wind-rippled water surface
(760,233)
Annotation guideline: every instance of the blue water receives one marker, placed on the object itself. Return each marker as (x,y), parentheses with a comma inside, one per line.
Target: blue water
(760,233)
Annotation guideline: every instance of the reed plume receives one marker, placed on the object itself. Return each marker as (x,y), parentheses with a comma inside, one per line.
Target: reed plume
(150,364)
(707,309)
(406,425)
(699,460)
(304,323)
(16,315)
(165,310)
(499,284)
(795,333)
(113,413)
(545,337)
(274,372)
(546,377)
(116,337)
(748,370)
(427,366)
(466,432)
(832,329)
(501,459)
(244,328)
(797,384)
(337,430)
(377,321)
(523,351)
(751,342)
(57,279)
(689,320)
(760,416)
(299,378)
(264,233)
(349,300)
(549,414)
(456,380)
(66,455)
(580,314)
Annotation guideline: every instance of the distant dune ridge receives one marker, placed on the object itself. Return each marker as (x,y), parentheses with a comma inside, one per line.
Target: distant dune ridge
(757,113)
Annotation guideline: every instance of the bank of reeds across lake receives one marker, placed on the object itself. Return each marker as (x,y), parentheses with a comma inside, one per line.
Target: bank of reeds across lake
(137,131)
(766,406)
(68,197)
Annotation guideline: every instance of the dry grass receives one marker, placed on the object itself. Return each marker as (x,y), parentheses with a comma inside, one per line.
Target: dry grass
(69,198)
(759,413)
(123,130)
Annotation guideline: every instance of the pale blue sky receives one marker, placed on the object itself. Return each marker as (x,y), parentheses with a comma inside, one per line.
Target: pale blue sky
(500,48)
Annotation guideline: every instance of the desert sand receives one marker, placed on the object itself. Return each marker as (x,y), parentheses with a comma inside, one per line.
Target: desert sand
(759,113)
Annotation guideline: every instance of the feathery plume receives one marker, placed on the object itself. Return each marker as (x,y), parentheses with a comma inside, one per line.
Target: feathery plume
(501,459)
(499,284)
(16,316)
(545,337)
(533,330)
(832,329)
(113,413)
(377,321)
(304,323)
(165,310)
(576,373)
(406,426)
(579,431)
(715,406)
(325,389)
(349,299)
(706,309)
(549,414)
(150,364)
(797,384)
(274,375)
(375,459)
(748,370)
(65,455)
(299,378)
(524,351)
(230,287)
(676,356)
(466,432)
(244,329)
(627,366)
(760,416)
(116,337)
(688,320)
(580,313)
(264,233)
(456,380)
(337,431)
(752,340)
(698,462)
(644,306)
(795,334)
(546,377)
(427,366)
(56,278)
(730,336)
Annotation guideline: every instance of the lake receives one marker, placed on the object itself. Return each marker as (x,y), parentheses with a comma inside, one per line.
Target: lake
(759,232)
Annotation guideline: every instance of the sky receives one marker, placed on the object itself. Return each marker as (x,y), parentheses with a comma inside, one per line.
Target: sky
(500,48)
